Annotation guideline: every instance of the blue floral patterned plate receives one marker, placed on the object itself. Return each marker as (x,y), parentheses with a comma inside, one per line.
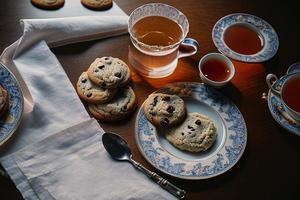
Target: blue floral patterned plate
(226,151)
(263,28)
(10,122)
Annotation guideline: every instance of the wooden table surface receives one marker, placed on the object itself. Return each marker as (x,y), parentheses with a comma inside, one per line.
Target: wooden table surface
(270,165)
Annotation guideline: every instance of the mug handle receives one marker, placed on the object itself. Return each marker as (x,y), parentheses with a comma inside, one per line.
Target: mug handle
(191,43)
(271,79)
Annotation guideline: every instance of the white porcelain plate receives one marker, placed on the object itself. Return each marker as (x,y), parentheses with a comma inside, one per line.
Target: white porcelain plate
(263,28)
(226,151)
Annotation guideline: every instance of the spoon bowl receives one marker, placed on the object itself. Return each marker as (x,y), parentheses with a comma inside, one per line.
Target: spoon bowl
(116,146)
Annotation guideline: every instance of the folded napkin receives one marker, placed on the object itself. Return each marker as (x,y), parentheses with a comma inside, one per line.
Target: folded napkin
(73,164)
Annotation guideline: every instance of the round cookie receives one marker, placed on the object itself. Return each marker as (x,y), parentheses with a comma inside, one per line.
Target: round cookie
(97,4)
(118,108)
(164,110)
(196,133)
(109,72)
(48,4)
(3,101)
(92,93)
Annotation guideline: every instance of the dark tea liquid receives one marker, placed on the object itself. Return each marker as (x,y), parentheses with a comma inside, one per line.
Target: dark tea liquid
(243,40)
(215,70)
(291,94)
(157,30)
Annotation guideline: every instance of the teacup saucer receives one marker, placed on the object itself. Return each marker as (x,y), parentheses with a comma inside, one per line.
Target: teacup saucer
(277,110)
(263,28)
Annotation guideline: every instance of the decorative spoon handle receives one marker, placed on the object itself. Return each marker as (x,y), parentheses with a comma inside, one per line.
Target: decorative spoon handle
(174,190)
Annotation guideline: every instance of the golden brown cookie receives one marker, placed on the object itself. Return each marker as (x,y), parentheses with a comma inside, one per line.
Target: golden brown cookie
(164,110)
(118,108)
(92,93)
(3,101)
(196,133)
(48,4)
(97,4)
(109,72)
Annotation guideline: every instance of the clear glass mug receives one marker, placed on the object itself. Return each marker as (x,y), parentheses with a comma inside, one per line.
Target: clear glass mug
(156,61)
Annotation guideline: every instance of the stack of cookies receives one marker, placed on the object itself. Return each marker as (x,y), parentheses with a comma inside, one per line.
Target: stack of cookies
(3,102)
(104,87)
(192,132)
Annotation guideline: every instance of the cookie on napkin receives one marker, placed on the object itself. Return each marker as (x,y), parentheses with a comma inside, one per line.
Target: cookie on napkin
(196,133)
(97,4)
(109,72)
(92,93)
(48,4)
(118,108)
(164,110)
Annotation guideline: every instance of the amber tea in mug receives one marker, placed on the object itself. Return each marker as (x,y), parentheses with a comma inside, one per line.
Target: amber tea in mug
(156,32)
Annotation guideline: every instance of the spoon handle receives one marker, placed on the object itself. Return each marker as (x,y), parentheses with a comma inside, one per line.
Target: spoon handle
(174,190)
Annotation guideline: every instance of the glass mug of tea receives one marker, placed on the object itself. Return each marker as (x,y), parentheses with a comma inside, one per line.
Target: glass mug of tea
(288,92)
(158,33)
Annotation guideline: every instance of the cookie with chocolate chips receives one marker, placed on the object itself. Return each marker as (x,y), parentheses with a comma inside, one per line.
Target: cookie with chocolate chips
(109,72)
(92,93)
(164,110)
(118,108)
(197,133)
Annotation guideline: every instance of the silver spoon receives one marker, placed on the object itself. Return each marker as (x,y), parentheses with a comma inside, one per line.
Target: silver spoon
(119,150)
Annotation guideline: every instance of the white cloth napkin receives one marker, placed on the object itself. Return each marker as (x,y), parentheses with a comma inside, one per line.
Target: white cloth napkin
(70,164)
(51,101)
(73,164)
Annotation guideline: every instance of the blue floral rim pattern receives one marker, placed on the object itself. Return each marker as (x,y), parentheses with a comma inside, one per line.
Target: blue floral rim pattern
(10,121)
(271,41)
(218,163)
(275,103)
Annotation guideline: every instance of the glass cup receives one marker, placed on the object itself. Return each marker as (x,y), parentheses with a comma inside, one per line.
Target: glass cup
(157,61)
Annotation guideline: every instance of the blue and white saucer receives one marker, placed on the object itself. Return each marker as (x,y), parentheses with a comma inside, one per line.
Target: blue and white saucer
(276,107)
(10,122)
(224,154)
(264,29)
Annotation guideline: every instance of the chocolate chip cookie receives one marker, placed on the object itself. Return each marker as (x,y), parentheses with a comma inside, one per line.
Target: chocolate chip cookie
(164,110)
(48,4)
(3,101)
(109,72)
(196,133)
(92,93)
(97,4)
(118,108)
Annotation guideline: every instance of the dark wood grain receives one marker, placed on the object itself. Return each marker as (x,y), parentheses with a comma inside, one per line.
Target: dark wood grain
(269,168)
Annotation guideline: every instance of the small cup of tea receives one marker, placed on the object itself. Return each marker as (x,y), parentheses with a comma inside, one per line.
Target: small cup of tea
(216,69)
(288,92)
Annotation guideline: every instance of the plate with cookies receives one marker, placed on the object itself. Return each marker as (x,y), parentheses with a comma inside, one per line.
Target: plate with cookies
(190,131)
(11,104)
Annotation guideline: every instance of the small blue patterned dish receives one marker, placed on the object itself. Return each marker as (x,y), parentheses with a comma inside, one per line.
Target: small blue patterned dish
(224,154)
(10,122)
(276,106)
(263,28)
